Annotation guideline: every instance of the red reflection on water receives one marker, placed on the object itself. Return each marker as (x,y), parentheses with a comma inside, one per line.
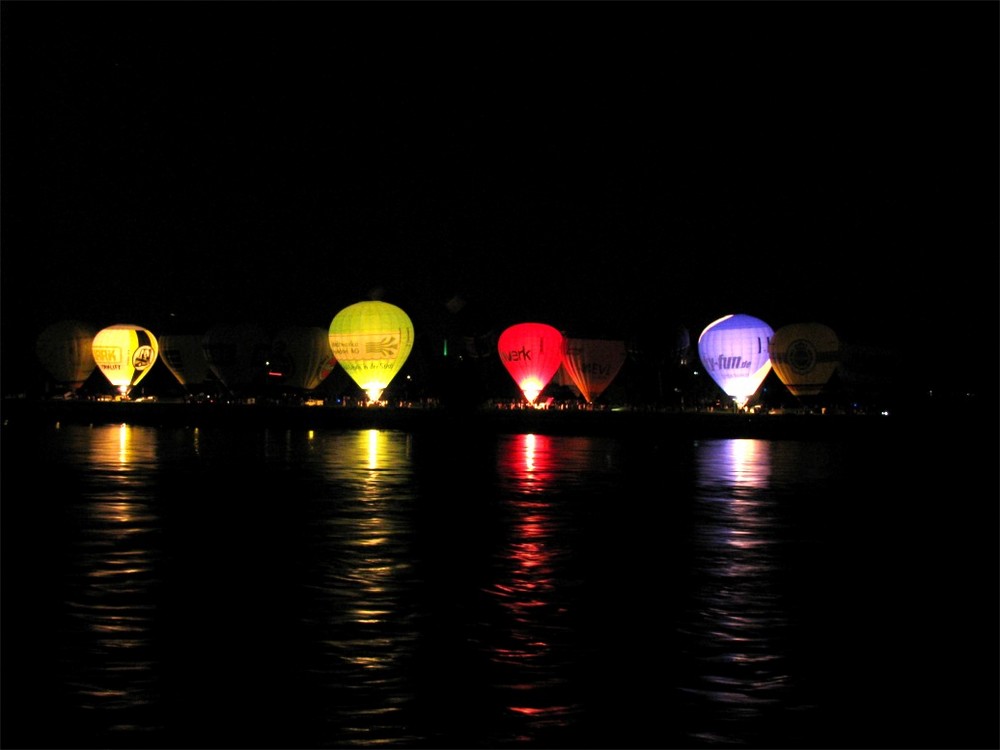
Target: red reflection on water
(523,639)
(527,461)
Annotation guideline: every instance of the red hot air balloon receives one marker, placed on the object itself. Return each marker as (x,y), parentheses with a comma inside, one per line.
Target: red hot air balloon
(532,353)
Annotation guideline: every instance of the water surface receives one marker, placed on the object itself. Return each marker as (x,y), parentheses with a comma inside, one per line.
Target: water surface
(185,587)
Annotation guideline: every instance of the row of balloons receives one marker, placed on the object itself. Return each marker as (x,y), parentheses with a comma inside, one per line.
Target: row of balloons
(372,340)
(737,351)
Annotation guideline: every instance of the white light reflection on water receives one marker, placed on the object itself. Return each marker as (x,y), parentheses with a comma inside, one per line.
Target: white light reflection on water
(360,610)
(110,664)
(733,634)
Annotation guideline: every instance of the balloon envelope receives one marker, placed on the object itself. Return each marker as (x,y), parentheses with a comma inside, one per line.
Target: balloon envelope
(804,356)
(531,353)
(592,364)
(680,345)
(65,351)
(184,356)
(237,355)
(301,356)
(371,340)
(734,351)
(125,353)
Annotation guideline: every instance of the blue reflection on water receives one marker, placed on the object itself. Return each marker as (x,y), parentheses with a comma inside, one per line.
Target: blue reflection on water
(735,627)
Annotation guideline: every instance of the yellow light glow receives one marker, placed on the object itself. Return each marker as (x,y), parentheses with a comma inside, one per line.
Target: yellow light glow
(531,387)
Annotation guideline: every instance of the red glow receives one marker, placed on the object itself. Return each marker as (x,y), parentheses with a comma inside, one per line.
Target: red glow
(531,352)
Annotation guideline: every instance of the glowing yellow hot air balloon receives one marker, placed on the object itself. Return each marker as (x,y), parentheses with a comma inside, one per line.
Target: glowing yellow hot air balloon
(124,353)
(371,340)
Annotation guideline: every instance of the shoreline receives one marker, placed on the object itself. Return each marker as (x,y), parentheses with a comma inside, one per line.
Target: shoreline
(681,424)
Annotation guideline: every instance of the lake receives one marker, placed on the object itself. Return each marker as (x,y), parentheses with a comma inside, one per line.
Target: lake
(255,587)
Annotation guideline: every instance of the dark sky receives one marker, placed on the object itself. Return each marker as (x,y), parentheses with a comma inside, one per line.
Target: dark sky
(605,167)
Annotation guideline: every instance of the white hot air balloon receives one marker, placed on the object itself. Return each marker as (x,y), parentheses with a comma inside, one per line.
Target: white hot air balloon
(734,352)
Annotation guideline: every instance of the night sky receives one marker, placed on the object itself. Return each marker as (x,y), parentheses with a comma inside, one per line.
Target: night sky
(610,168)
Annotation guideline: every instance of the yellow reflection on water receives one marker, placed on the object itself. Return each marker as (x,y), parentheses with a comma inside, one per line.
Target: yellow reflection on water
(362,605)
(114,562)
(124,447)
(373,440)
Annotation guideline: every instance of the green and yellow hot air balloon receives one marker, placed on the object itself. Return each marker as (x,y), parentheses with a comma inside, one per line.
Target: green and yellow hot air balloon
(371,340)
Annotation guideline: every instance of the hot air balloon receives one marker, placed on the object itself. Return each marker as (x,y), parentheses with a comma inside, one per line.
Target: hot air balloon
(371,340)
(532,353)
(184,356)
(679,345)
(125,353)
(592,364)
(804,356)
(733,350)
(237,356)
(65,351)
(301,357)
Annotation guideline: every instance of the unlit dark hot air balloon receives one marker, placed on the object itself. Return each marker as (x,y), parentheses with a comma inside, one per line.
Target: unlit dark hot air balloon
(237,356)
(301,357)
(65,351)
(805,356)
(184,355)
(592,364)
